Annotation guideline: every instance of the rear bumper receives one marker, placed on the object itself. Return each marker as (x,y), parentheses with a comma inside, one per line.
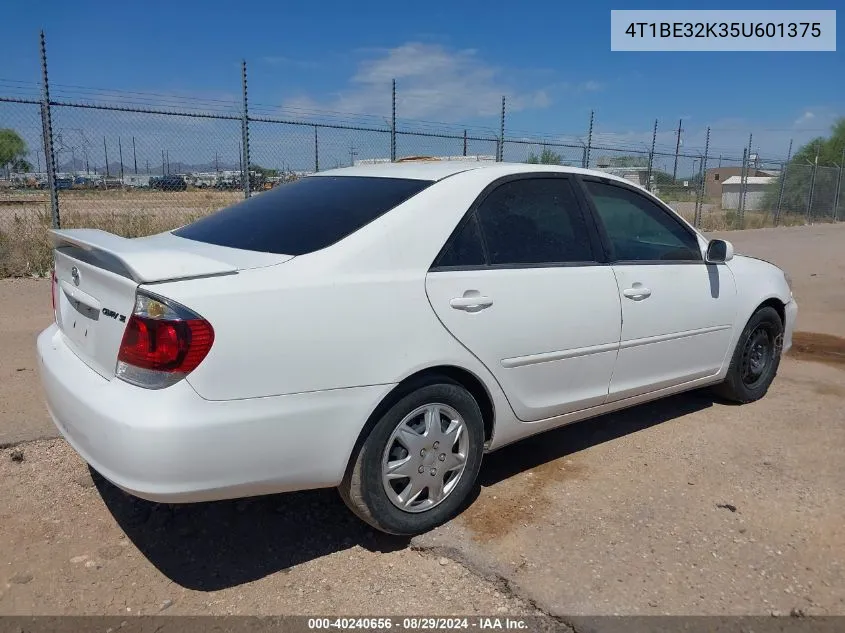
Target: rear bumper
(171,445)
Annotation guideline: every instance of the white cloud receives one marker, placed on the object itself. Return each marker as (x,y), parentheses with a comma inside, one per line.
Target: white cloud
(433,82)
(805,118)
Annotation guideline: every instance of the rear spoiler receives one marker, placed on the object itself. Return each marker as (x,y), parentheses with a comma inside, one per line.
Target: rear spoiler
(142,262)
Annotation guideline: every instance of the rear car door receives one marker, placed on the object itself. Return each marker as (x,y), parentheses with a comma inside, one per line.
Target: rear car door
(521,286)
(677,311)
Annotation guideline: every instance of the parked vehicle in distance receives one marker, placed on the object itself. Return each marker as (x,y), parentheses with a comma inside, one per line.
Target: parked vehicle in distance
(168,183)
(380,328)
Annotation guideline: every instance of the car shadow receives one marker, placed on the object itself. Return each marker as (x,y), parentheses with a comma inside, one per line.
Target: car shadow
(545,447)
(215,545)
(221,544)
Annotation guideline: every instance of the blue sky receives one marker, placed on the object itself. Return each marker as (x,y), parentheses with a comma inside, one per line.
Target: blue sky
(452,62)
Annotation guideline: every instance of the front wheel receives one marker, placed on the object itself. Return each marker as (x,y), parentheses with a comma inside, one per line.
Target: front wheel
(420,461)
(756,358)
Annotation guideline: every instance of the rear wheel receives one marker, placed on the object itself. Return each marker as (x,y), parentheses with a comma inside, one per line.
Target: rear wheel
(420,461)
(756,358)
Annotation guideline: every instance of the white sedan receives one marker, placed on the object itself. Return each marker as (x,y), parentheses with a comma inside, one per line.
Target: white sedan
(380,328)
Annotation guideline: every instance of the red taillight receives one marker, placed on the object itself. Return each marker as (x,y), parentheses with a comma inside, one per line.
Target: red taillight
(162,343)
(170,346)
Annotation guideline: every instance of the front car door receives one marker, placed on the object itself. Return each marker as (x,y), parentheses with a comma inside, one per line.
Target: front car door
(520,284)
(677,311)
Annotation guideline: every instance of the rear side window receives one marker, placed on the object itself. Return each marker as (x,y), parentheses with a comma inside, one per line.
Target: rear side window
(303,216)
(534,221)
(465,248)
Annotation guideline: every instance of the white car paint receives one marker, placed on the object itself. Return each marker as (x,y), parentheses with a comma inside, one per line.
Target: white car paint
(305,348)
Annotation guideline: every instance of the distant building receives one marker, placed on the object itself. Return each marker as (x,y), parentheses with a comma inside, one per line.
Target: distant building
(636,175)
(755,191)
(715,176)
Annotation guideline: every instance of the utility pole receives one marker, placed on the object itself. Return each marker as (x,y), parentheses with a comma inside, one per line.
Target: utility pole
(465,142)
(162,162)
(134,157)
(167,154)
(317,151)
(216,164)
(106,153)
(677,150)
(148,166)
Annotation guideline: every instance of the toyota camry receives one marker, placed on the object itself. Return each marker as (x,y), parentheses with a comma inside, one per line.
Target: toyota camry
(379,329)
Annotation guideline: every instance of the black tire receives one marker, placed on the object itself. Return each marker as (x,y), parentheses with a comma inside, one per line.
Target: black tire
(756,358)
(362,488)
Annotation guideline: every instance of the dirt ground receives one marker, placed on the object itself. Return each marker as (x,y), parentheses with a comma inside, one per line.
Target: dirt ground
(682,506)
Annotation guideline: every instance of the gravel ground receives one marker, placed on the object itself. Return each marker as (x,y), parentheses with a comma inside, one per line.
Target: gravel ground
(683,506)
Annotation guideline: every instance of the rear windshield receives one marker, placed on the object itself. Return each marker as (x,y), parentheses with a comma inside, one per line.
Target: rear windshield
(302,216)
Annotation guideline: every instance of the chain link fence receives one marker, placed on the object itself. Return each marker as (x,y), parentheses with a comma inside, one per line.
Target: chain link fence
(143,167)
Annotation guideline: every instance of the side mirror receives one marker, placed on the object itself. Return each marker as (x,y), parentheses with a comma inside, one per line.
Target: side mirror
(719,252)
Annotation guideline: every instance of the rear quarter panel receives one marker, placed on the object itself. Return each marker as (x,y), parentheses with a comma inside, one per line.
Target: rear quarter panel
(353,314)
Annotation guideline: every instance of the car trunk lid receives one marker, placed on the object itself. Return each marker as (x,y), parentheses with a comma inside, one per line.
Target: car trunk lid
(97,275)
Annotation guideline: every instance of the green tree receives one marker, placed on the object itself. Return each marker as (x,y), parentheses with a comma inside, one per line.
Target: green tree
(12,150)
(546,157)
(798,175)
(264,171)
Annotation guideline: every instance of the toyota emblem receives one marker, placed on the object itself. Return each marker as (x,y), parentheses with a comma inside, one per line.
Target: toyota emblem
(74,272)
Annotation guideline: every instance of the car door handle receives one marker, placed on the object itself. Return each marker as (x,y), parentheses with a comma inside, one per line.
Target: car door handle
(637,293)
(471,303)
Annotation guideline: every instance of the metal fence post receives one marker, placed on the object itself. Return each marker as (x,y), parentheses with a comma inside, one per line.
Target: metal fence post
(783,183)
(699,207)
(677,151)
(47,133)
(812,185)
(741,202)
(316,151)
(501,149)
(651,157)
(589,140)
(120,154)
(838,186)
(746,167)
(393,127)
(245,133)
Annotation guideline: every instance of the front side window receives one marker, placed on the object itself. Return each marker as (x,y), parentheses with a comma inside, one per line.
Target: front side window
(638,229)
(534,221)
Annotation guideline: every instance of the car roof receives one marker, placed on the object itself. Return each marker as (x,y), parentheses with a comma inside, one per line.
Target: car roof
(438,170)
